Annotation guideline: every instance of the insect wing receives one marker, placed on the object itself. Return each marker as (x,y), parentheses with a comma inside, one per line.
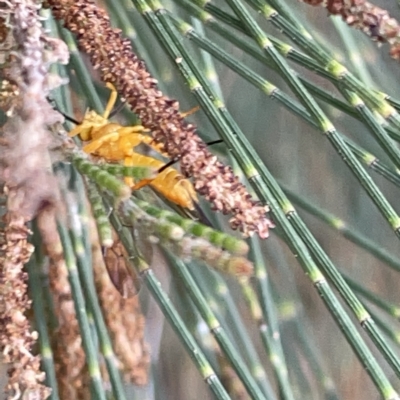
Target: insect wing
(121,273)
(144,247)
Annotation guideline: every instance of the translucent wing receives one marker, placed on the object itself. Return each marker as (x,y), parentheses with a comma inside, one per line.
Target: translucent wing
(120,270)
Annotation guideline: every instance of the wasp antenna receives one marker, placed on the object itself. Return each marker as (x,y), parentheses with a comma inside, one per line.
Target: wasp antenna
(215,142)
(172,162)
(202,216)
(67,117)
(117,109)
(167,165)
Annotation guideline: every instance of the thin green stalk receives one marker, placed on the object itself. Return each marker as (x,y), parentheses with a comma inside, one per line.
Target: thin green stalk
(348,38)
(276,94)
(309,45)
(81,314)
(269,327)
(176,322)
(101,177)
(324,124)
(218,331)
(207,62)
(389,308)
(376,128)
(347,232)
(328,267)
(35,289)
(375,164)
(387,329)
(137,172)
(100,215)
(217,238)
(239,148)
(83,258)
(218,296)
(77,64)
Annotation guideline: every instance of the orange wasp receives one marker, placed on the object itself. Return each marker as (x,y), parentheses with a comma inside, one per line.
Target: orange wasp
(116,143)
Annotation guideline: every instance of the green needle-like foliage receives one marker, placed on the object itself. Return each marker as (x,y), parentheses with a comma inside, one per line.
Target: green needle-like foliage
(115,263)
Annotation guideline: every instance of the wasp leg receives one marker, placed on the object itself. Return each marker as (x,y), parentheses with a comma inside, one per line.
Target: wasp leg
(76,131)
(127,143)
(190,112)
(111,100)
(97,143)
(142,183)
(141,160)
(130,138)
(128,162)
(137,129)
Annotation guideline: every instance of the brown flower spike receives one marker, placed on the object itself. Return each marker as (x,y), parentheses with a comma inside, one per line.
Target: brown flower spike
(372,20)
(112,55)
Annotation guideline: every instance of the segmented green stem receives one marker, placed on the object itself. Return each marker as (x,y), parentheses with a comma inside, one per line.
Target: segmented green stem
(276,94)
(34,270)
(77,216)
(100,215)
(390,308)
(347,232)
(133,172)
(220,239)
(80,310)
(101,177)
(218,331)
(163,31)
(172,316)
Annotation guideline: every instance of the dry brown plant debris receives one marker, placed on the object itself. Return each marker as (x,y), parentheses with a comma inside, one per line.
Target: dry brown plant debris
(69,357)
(112,56)
(367,17)
(25,170)
(16,338)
